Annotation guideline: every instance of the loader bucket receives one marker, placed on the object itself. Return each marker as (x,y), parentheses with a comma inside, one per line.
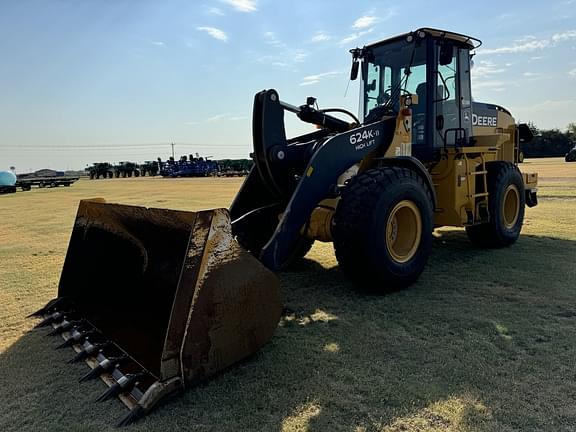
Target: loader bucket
(157,300)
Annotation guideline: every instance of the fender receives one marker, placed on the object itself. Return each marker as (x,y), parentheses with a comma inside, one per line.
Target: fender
(416,166)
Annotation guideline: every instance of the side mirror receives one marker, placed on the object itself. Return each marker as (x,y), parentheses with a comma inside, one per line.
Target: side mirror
(446,54)
(354,70)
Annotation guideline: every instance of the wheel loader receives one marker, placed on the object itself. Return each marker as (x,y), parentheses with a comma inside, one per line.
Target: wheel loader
(156,301)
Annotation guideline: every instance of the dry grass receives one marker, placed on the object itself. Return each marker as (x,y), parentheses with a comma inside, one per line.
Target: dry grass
(485,341)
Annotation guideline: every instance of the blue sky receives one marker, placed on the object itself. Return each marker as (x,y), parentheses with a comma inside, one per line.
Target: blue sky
(85,81)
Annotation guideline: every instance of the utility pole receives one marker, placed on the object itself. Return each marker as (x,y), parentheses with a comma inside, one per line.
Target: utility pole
(172,150)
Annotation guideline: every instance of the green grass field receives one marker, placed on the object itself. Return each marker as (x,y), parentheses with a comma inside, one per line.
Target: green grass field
(485,341)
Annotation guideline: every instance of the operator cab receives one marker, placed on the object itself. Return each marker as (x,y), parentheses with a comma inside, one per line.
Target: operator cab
(433,67)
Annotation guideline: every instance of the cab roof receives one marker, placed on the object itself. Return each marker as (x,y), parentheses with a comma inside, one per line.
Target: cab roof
(469,41)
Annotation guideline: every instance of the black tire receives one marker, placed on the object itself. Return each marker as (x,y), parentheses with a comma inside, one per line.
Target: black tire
(505,225)
(361,222)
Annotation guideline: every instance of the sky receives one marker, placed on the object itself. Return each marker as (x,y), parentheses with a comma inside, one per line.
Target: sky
(83,81)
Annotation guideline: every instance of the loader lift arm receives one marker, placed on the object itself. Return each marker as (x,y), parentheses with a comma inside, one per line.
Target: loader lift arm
(292,176)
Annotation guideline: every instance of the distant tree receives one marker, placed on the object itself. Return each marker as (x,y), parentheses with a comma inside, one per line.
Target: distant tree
(549,143)
(571,131)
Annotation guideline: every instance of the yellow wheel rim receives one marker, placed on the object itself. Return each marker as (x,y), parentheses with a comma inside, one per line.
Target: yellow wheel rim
(511,206)
(403,231)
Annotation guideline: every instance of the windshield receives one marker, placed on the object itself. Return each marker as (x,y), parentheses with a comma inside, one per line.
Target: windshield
(392,70)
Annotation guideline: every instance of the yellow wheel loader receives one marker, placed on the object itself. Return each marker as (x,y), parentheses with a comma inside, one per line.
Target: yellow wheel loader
(155,301)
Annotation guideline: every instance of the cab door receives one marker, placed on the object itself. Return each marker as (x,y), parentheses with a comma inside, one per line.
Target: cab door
(451,93)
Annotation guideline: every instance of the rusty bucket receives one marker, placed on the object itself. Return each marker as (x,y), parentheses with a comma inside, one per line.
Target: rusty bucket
(156,300)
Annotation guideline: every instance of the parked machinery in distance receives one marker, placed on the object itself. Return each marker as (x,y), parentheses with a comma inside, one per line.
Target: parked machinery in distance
(100,169)
(189,166)
(126,169)
(234,167)
(151,168)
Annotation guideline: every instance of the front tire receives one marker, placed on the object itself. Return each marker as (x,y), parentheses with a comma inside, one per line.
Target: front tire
(383,228)
(506,204)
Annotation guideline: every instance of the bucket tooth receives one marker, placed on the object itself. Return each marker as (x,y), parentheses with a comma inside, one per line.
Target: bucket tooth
(78,337)
(124,384)
(105,365)
(133,415)
(54,318)
(49,308)
(65,326)
(40,312)
(90,351)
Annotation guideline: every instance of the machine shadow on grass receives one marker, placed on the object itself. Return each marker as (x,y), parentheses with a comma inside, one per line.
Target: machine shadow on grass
(485,340)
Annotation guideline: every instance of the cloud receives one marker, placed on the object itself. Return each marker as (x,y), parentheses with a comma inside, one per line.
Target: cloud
(314,79)
(298,56)
(214,11)
(282,56)
(224,116)
(572,72)
(352,37)
(242,5)
(305,83)
(320,36)
(272,39)
(564,36)
(531,43)
(214,32)
(364,22)
(321,75)
(158,43)
(518,47)
(548,114)
(217,117)
(505,16)
(531,74)
(486,68)
(485,77)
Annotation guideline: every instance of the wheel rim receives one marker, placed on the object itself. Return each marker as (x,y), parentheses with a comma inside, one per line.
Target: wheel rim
(403,231)
(511,207)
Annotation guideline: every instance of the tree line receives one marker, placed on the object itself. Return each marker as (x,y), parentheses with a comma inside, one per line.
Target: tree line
(550,142)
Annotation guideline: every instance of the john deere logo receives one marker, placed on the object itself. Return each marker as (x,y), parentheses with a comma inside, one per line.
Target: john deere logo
(484,120)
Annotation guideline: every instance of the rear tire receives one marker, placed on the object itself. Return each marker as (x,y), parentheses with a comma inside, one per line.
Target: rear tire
(383,228)
(506,202)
